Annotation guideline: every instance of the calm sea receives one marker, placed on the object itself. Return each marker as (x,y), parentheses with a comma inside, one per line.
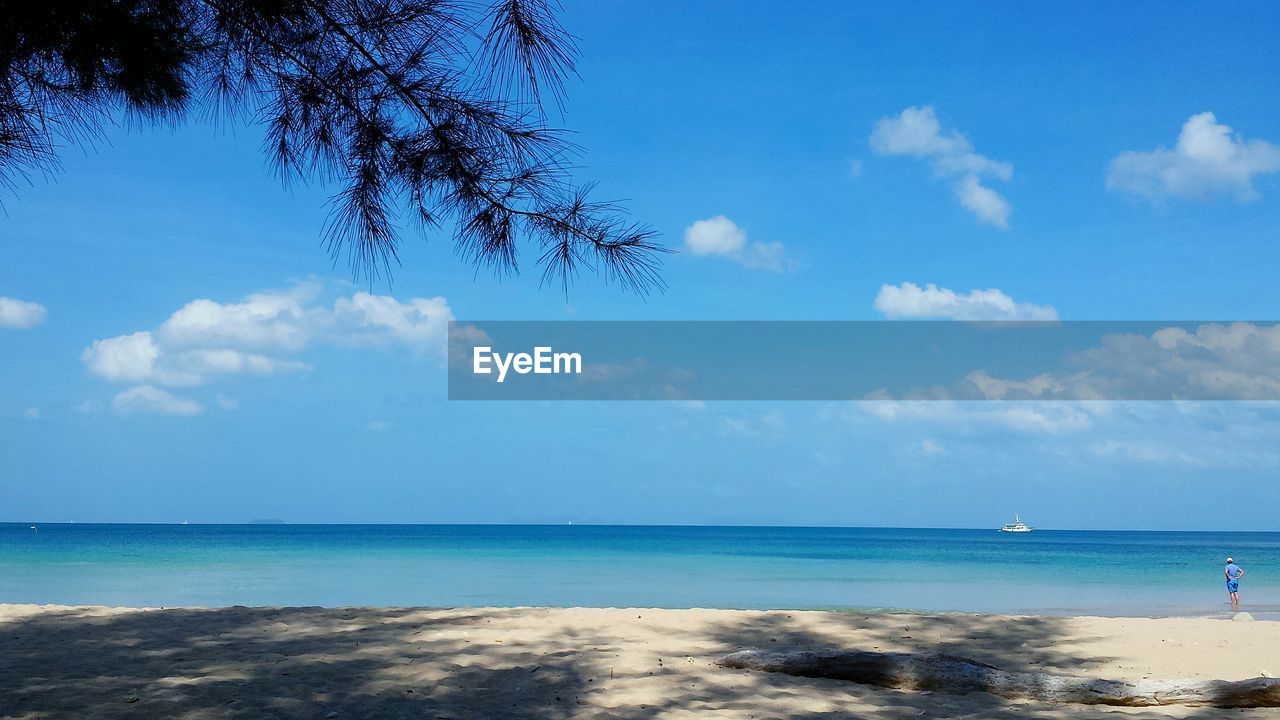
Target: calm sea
(1048,572)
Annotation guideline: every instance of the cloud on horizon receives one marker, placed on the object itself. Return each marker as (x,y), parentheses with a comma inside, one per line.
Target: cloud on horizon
(916,132)
(1208,160)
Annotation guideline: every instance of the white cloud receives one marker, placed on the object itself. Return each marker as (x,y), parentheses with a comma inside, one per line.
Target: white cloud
(916,132)
(206,339)
(364,319)
(147,399)
(719,236)
(714,236)
(1046,418)
(1234,361)
(909,300)
(1208,160)
(203,363)
(1202,362)
(1212,361)
(31,413)
(986,204)
(276,320)
(125,358)
(19,314)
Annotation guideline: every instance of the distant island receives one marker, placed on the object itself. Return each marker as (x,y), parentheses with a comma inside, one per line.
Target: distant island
(266,521)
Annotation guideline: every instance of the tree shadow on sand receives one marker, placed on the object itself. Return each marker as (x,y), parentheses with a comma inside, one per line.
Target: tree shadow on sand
(482,663)
(1025,644)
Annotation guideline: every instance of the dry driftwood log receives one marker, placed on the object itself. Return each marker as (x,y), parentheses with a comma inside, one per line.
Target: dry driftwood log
(960,676)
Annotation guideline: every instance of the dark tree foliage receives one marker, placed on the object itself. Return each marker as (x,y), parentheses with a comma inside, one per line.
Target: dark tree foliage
(430,109)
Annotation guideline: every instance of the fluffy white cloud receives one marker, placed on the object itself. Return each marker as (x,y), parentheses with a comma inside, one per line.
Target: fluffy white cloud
(986,204)
(720,236)
(1203,362)
(916,132)
(714,236)
(147,399)
(1239,361)
(19,314)
(206,339)
(1208,160)
(364,319)
(276,320)
(1236,361)
(126,358)
(909,300)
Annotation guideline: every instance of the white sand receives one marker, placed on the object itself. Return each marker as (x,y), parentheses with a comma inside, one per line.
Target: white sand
(79,662)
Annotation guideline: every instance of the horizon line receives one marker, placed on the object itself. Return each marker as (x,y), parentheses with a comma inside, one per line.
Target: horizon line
(276,522)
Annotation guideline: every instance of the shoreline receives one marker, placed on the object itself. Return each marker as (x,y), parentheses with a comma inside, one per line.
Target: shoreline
(1259,613)
(75,661)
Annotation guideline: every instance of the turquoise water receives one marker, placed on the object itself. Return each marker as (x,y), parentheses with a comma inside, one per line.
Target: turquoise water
(1048,572)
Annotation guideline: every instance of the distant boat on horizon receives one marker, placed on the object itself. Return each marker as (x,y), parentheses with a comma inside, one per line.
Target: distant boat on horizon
(1017,526)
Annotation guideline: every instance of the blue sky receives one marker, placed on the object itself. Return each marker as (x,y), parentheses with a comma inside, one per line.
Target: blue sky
(802,159)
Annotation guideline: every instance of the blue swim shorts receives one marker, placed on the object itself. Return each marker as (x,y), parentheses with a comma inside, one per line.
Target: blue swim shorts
(1233,586)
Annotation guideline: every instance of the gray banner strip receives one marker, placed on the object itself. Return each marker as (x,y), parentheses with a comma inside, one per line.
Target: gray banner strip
(864,360)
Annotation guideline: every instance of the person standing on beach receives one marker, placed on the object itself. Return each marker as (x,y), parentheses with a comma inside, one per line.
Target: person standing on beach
(1233,572)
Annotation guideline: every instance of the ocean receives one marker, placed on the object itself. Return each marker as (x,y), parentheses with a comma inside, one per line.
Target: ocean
(1046,572)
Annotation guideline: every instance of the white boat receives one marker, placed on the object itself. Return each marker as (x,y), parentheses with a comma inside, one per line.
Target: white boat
(1016,526)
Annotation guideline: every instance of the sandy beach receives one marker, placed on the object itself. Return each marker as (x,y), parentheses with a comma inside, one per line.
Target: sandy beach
(77,662)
